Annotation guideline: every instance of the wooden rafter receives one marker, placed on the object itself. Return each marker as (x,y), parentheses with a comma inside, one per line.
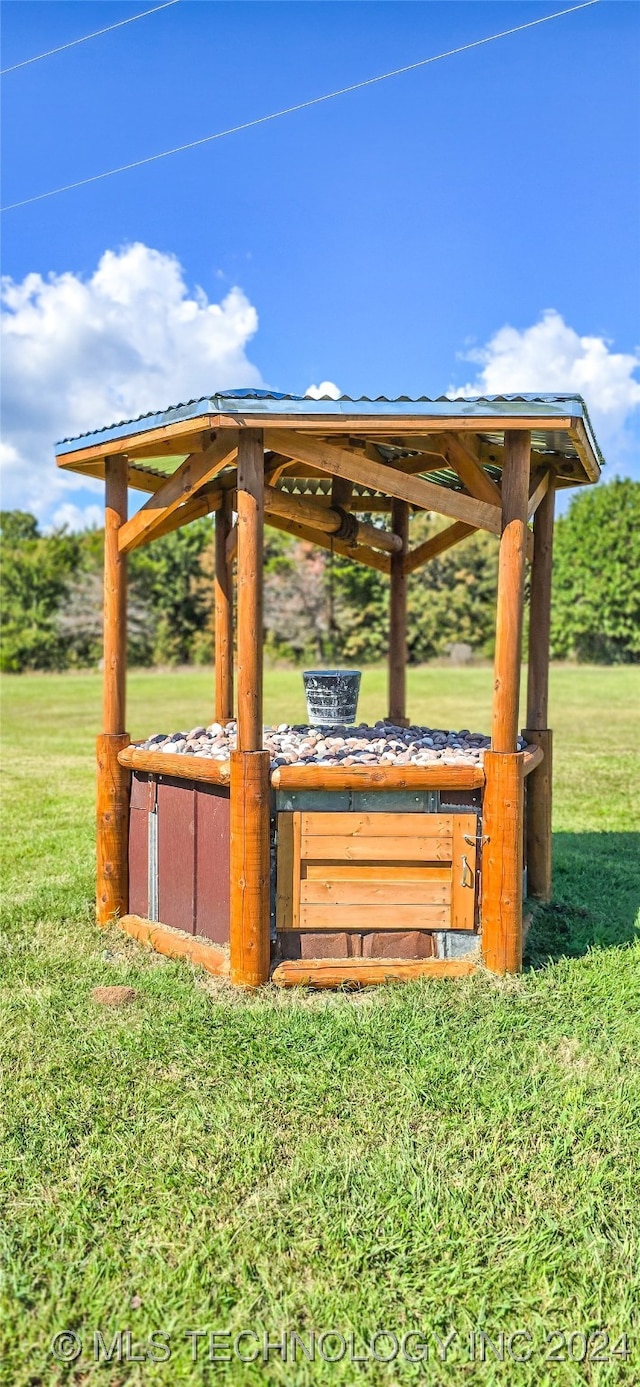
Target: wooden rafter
(191,477)
(204,503)
(370,557)
(426,495)
(438,544)
(458,453)
(538,487)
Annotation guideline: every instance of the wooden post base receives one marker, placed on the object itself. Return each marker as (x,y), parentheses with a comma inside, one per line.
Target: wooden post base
(176,944)
(538,827)
(249,868)
(112,845)
(502,861)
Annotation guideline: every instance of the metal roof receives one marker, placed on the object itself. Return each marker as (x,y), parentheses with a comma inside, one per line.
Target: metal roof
(274,402)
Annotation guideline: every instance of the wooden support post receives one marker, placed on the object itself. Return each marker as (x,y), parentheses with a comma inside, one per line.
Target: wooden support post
(223,614)
(115,597)
(540,613)
(249,868)
(502,861)
(113,780)
(398,617)
(539,784)
(112,821)
(515,501)
(249,582)
(538,825)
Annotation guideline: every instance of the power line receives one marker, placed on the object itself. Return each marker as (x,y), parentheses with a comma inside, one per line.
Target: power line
(301,106)
(63,46)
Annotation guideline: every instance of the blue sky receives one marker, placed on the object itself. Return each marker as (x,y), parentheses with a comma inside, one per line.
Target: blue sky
(374,240)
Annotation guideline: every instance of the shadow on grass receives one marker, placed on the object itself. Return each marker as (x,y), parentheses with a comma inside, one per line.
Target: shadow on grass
(596,890)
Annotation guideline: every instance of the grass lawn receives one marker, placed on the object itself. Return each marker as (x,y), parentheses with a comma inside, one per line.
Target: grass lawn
(444,1157)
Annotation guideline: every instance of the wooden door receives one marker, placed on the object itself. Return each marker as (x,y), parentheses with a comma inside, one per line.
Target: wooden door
(376,872)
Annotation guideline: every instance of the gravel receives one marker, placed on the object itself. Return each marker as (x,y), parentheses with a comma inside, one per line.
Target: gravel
(382,744)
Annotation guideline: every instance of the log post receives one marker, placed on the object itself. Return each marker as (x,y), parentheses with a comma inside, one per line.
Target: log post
(249,582)
(249,868)
(503,803)
(112,838)
(539,783)
(398,618)
(223,614)
(112,886)
(511,567)
(502,861)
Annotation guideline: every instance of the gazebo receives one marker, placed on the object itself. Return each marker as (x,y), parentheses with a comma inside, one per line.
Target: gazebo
(334,874)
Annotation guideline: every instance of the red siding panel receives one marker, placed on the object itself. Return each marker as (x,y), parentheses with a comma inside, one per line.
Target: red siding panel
(212,863)
(176,854)
(138,857)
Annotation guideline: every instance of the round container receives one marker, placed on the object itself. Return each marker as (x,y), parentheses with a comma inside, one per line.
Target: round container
(332,696)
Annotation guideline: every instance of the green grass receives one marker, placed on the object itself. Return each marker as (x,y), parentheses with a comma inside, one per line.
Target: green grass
(432,1156)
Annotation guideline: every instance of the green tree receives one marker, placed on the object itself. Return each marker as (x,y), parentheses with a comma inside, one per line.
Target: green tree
(35,574)
(596,576)
(168,577)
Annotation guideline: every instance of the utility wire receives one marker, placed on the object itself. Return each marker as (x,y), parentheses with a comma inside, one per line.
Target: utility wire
(301,106)
(63,46)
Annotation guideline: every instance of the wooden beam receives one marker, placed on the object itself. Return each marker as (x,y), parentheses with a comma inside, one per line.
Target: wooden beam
(201,768)
(223,615)
(397,657)
(249,868)
(540,785)
(511,571)
(174,944)
(112,874)
(538,487)
(231,548)
(170,447)
(341,492)
(369,557)
(540,612)
(373,426)
(362,972)
(539,804)
(115,597)
(191,476)
(205,503)
(438,544)
(432,777)
(502,861)
(321,517)
(459,455)
(178,434)
(426,495)
(112,828)
(250,506)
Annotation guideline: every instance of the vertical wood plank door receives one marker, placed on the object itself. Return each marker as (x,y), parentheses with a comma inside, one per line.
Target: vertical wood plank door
(376,872)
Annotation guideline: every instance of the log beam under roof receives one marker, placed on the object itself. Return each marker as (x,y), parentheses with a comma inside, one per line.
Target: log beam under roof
(369,557)
(307,511)
(415,490)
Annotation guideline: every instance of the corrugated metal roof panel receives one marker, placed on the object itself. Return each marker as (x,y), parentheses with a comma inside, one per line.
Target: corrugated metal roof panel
(247,402)
(274,402)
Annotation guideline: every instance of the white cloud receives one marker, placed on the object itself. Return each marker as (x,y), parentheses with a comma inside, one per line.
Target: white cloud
(77,517)
(551,356)
(326,387)
(80,353)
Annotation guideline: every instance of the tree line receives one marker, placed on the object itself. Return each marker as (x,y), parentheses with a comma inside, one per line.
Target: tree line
(318,607)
